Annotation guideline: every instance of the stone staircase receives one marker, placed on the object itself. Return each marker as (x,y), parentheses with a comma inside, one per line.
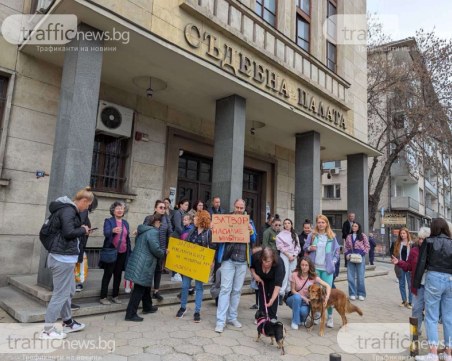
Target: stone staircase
(25,301)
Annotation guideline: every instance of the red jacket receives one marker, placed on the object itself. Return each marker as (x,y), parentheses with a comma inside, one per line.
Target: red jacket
(410,266)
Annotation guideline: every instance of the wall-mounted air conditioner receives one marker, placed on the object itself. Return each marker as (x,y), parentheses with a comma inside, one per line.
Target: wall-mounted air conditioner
(335,170)
(115,120)
(43,6)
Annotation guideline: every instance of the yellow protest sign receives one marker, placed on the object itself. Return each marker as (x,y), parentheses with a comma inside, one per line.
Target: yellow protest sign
(189,259)
(230,228)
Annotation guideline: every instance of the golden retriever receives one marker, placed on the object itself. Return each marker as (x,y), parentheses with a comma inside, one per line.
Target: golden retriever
(338,300)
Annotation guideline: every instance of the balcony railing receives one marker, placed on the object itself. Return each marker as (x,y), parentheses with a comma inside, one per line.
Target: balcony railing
(406,203)
(431,187)
(431,213)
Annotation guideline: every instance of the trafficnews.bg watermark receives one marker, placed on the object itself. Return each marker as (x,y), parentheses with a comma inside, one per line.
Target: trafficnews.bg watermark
(51,33)
(23,339)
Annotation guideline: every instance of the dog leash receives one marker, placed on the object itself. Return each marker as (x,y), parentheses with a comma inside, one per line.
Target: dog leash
(266,318)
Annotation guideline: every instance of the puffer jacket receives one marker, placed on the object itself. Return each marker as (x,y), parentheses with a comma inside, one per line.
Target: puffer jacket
(141,266)
(435,255)
(70,226)
(165,230)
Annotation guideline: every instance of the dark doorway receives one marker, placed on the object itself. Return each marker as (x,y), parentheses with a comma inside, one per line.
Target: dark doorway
(195,181)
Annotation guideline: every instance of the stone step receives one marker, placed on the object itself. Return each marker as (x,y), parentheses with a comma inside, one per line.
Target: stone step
(26,302)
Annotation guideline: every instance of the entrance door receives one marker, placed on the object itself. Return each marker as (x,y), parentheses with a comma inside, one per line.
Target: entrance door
(195,178)
(252,190)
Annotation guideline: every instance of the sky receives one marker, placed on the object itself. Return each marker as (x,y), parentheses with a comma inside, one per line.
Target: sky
(401,18)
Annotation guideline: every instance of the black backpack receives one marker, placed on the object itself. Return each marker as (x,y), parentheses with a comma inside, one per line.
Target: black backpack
(49,230)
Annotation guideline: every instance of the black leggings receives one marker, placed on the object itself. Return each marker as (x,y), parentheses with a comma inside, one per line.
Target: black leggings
(139,293)
(273,309)
(115,270)
(158,273)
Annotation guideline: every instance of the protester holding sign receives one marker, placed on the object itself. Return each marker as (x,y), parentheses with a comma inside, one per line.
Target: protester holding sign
(234,258)
(202,236)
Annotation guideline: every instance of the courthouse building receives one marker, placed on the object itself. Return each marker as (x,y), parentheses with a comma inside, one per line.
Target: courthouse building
(188,98)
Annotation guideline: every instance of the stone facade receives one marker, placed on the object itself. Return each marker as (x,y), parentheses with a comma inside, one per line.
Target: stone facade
(36,95)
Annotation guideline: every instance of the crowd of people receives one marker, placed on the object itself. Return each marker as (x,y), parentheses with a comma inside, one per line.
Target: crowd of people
(283,264)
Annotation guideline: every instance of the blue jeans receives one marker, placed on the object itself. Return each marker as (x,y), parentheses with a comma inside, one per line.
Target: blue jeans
(438,294)
(232,278)
(186,281)
(418,307)
(405,276)
(300,309)
(355,277)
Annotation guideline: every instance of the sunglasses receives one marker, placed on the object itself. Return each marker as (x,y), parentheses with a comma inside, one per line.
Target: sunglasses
(161,207)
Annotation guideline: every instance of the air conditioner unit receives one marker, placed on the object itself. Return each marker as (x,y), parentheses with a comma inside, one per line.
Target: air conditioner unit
(335,170)
(115,120)
(44,6)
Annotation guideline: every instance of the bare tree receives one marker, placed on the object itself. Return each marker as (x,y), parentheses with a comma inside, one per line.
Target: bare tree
(409,105)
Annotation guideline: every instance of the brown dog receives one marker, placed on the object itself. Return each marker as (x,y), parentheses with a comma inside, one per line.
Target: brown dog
(337,299)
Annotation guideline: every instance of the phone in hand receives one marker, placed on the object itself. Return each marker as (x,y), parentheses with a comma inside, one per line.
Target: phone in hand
(93,229)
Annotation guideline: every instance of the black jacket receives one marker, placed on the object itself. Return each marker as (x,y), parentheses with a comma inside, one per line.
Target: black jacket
(70,226)
(435,255)
(83,239)
(346,228)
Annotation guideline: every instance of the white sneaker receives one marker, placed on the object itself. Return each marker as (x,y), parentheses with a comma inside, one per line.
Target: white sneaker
(52,334)
(352,298)
(235,323)
(316,318)
(294,326)
(128,290)
(329,322)
(361,298)
(219,329)
(176,278)
(73,327)
(428,357)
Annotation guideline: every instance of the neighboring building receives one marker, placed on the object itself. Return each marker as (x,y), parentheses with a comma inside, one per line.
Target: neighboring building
(416,190)
(201,98)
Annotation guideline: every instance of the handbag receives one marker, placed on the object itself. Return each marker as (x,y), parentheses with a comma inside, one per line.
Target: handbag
(355,257)
(108,254)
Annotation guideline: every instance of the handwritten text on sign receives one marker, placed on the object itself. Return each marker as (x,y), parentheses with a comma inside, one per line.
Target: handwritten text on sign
(230,228)
(189,259)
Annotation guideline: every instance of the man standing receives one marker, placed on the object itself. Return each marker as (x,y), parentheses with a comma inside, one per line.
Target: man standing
(234,258)
(216,206)
(346,228)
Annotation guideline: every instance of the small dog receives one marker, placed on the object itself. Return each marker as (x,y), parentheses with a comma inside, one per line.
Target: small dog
(337,299)
(274,330)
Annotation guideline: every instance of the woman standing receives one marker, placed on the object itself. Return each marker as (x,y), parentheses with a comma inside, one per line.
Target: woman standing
(178,216)
(116,232)
(323,250)
(267,270)
(202,236)
(289,246)
(356,243)
(300,280)
(303,236)
(165,231)
(197,206)
(436,256)
(410,266)
(400,249)
(141,267)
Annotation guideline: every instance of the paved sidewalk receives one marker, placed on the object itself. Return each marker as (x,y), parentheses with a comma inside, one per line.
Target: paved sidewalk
(163,337)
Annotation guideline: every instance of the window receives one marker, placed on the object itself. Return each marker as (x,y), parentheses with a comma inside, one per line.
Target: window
(332,191)
(109,162)
(331,164)
(331,51)
(421,196)
(266,9)
(303,23)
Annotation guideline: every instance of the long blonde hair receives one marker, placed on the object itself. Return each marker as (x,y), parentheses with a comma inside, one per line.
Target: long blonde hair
(329,232)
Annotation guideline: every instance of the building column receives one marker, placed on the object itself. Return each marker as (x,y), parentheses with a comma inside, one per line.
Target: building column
(229,149)
(75,127)
(357,189)
(307,177)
